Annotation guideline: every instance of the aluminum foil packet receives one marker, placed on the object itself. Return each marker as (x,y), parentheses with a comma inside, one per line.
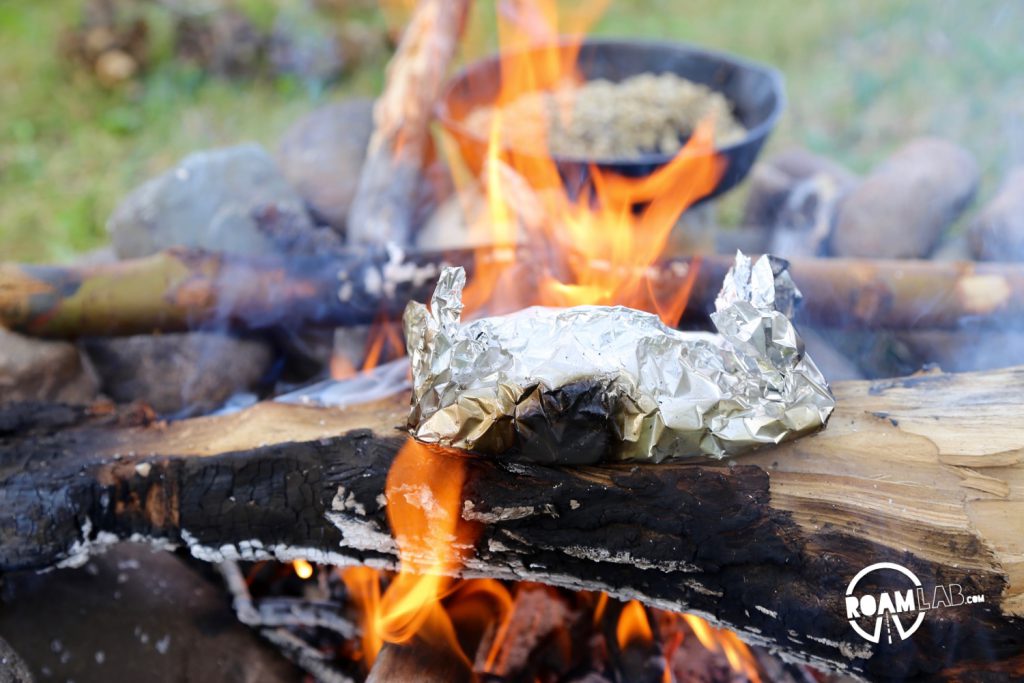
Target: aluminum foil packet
(590,383)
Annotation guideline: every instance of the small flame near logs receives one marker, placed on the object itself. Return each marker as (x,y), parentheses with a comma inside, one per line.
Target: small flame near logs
(633,626)
(303,569)
(481,621)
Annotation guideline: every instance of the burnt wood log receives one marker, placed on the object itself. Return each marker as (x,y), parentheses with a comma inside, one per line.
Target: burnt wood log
(926,472)
(179,289)
(384,203)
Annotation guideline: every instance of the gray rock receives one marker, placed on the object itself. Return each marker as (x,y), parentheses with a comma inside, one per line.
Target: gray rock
(772,181)
(793,196)
(902,209)
(997,234)
(133,614)
(41,370)
(322,156)
(210,200)
(304,45)
(181,374)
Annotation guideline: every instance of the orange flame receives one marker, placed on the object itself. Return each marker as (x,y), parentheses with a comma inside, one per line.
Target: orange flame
(599,607)
(424,494)
(385,342)
(633,626)
(467,611)
(303,569)
(739,656)
(596,247)
(363,584)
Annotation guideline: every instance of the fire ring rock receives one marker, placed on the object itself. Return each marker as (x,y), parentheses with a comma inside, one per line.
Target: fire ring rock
(902,208)
(998,232)
(178,374)
(322,155)
(211,200)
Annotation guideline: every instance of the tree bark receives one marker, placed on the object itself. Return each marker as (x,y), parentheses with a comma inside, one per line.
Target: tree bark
(383,208)
(926,472)
(178,290)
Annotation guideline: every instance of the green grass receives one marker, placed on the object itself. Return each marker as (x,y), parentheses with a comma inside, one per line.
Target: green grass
(862,78)
(69,149)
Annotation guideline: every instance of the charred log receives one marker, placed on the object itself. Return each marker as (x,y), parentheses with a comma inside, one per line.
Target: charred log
(180,290)
(926,472)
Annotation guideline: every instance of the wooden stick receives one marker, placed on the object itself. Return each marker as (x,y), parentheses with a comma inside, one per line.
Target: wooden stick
(384,203)
(178,290)
(926,472)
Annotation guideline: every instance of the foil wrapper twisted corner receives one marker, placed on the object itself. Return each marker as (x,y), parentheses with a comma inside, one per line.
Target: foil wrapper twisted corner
(589,383)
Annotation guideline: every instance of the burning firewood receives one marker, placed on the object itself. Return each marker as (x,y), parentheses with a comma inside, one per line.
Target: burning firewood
(384,203)
(178,290)
(922,472)
(535,614)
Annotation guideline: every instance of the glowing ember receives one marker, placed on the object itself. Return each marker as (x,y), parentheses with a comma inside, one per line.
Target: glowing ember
(303,569)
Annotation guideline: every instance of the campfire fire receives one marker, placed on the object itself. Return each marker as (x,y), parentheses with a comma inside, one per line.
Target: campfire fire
(595,244)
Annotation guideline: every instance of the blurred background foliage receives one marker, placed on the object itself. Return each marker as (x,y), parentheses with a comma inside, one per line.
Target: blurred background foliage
(862,77)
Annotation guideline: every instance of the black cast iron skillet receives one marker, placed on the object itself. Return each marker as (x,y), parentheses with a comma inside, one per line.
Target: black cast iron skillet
(755,92)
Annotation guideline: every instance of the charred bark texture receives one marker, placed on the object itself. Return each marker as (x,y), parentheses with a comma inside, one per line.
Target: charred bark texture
(926,472)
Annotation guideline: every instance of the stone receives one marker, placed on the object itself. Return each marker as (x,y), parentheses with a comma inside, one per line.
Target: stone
(997,234)
(209,200)
(772,180)
(902,209)
(181,374)
(793,197)
(303,45)
(133,614)
(43,370)
(322,156)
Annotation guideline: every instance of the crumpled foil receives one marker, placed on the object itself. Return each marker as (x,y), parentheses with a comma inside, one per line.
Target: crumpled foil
(589,383)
